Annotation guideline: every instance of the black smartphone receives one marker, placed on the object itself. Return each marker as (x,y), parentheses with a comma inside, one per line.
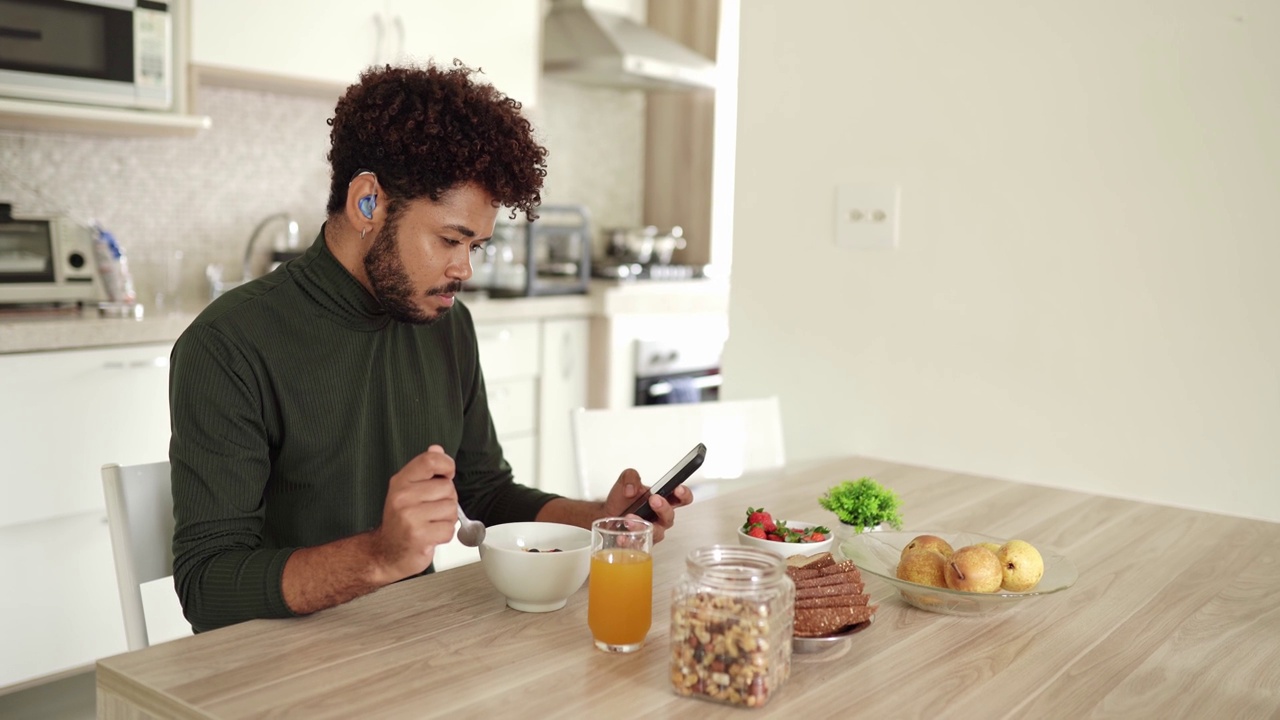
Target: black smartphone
(667,484)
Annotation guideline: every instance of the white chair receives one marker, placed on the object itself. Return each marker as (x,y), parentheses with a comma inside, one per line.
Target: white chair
(140,515)
(743,439)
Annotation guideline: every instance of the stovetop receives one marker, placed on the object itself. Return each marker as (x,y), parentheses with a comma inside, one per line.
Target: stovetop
(651,271)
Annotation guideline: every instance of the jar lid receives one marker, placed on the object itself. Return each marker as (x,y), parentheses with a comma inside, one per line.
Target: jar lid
(736,565)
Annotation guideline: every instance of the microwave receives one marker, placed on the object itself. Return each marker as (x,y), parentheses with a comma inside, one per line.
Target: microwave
(97,52)
(47,260)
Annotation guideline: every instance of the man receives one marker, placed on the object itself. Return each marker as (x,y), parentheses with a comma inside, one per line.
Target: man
(329,418)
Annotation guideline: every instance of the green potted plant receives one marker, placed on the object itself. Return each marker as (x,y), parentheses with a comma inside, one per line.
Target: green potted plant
(863,504)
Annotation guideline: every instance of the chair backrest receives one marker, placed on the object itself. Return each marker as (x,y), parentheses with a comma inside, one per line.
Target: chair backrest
(742,437)
(140,514)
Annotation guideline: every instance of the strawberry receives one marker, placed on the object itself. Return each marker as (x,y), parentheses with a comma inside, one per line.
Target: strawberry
(815,537)
(756,532)
(758,516)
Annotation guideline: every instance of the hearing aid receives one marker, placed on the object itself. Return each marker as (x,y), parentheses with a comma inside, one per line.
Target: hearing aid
(368,203)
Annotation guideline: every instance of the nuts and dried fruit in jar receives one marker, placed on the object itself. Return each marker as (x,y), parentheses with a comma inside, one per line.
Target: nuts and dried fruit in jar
(731,622)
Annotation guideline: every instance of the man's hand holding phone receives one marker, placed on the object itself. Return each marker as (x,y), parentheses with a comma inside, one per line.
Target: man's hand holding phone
(657,502)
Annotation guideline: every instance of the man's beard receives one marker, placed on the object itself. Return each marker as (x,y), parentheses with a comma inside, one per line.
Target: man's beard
(391,284)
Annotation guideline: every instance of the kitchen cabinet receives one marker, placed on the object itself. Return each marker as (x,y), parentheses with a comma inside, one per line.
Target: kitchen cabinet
(60,609)
(319,41)
(323,45)
(509,360)
(502,37)
(64,415)
(67,413)
(535,372)
(563,385)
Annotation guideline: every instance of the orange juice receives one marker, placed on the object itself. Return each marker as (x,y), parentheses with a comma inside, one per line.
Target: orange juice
(620,596)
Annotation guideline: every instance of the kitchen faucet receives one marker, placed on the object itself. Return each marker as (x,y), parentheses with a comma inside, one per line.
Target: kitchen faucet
(292,241)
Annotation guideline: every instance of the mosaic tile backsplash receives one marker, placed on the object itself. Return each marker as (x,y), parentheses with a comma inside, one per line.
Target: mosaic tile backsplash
(178,205)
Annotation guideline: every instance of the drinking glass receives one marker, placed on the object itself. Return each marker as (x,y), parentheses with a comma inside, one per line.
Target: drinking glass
(167,300)
(620,589)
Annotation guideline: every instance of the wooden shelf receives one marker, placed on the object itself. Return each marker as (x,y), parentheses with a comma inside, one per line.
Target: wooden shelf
(25,115)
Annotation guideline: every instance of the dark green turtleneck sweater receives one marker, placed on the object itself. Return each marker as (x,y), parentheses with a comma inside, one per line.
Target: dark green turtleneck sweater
(293,400)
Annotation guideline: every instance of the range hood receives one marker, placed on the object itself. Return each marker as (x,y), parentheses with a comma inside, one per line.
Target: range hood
(598,47)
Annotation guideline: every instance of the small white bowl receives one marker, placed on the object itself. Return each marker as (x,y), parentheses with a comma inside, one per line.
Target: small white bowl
(536,581)
(787,549)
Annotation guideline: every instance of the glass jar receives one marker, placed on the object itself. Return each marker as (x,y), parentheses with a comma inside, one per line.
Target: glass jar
(731,623)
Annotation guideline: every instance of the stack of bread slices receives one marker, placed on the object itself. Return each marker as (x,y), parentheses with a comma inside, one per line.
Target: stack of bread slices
(829,596)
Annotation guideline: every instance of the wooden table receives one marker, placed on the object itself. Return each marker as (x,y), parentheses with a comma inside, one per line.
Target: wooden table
(1176,614)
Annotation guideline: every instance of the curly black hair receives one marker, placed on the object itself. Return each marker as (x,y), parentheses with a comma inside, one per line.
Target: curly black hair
(424,130)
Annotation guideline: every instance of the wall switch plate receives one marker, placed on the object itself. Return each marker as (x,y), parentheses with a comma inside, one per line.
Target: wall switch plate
(867,215)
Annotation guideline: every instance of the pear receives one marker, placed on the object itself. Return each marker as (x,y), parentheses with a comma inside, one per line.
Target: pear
(973,569)
(925,567)
(993,547)
(1020,564)
(927,542)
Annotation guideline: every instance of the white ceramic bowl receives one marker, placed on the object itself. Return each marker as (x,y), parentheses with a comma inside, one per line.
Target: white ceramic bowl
(536,581)
(787,549)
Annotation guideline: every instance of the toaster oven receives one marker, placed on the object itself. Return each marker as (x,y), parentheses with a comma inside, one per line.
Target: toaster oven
(47,260)
(549,256)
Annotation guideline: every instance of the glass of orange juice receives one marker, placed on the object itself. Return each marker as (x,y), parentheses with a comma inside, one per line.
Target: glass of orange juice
(620,589)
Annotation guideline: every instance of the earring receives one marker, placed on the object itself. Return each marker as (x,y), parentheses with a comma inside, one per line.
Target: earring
(367,205)
(362,232)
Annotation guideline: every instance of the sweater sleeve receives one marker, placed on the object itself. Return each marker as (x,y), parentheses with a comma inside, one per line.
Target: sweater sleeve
(220,463)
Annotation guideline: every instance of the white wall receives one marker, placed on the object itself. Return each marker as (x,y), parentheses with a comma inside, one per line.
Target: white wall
(1087,287)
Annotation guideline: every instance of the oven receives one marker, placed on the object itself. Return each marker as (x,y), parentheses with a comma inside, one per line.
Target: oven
(685,371)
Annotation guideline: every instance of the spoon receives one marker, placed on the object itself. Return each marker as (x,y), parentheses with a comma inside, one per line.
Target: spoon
(470,532)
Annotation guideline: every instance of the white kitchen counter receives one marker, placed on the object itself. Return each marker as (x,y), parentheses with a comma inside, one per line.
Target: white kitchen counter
(30,333)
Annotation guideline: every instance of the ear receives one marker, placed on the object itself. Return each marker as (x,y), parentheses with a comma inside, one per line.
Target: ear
(365,205)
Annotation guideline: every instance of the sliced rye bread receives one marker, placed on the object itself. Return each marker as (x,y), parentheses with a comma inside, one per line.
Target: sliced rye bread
(834,568)
(837,579)
(809,562)
(834,601)
(815,622)
(829,590)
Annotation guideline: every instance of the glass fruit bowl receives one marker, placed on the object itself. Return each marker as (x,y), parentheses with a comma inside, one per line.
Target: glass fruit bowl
(877,553)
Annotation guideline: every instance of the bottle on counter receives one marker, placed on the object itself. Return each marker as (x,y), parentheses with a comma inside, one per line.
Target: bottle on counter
(113,266)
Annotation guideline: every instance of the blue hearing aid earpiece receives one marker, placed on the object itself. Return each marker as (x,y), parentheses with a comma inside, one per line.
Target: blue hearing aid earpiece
(367,204)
